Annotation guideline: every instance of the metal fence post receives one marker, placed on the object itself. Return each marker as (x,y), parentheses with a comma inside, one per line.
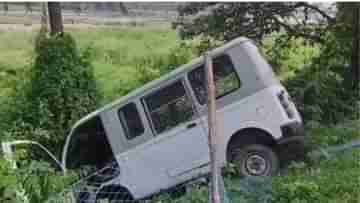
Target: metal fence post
(215,195)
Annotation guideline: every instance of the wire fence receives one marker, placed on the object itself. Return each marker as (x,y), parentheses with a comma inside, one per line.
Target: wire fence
(252,189)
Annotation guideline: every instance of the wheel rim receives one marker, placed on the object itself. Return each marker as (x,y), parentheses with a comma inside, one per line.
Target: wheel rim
(256,165)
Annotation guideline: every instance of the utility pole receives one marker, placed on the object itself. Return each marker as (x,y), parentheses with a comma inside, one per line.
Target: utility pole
(215,169)
(55,17)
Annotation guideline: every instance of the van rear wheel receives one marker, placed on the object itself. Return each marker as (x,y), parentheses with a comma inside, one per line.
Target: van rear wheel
(255,160)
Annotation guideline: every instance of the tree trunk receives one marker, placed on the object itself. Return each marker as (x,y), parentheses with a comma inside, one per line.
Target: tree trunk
(55,17)
(6,7)
(355,63)
(123,9)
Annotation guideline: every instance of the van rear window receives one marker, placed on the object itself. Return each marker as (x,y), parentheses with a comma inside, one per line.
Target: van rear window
(131,121)
(226,79)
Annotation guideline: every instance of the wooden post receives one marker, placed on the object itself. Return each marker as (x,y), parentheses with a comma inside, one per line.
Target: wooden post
(215,194)
(55,17)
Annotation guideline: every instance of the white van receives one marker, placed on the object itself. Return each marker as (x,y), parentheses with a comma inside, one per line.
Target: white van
(157,135)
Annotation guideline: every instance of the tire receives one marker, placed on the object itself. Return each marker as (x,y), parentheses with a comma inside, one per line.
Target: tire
(255,160)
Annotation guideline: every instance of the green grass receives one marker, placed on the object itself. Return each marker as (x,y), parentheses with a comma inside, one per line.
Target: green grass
(116,51)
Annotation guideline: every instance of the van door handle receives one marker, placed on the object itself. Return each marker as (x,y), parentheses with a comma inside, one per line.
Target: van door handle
(191,125)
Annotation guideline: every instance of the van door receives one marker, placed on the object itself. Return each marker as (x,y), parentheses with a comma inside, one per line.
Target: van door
(178,147)
(176,123)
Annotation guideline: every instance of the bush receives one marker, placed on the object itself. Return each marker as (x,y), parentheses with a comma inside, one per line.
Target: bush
(60,89)
(328,135)
(35,182)
(321,91)
(287,55)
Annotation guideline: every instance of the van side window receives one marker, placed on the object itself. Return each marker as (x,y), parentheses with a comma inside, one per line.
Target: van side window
(131,121)
(169,106)
(225,77)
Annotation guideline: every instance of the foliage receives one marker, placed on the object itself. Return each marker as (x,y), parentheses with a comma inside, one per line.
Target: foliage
(302,181)
(114,50)
(317,83)
(226,21)
(198,193)
(333,180)
(9,190)
(321,91)
(154,65)
(328,135)
(60,89)
(286,54)
(35,182)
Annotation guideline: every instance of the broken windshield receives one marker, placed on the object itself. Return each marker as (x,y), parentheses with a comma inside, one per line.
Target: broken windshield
(89,148)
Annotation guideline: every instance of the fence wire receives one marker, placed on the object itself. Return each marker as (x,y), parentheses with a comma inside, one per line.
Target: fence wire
(252,189)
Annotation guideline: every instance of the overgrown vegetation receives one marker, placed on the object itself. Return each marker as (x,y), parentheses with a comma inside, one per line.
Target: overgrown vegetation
(34,183)
(43,107)
(321,89)
(59,89)
(318,179)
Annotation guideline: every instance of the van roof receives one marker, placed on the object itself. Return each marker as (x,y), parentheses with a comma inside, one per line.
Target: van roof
(166,77)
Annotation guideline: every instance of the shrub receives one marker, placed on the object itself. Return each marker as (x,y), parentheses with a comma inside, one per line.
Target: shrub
(60,89)
(287,54)
(321,91)
(342,133)
(35,182)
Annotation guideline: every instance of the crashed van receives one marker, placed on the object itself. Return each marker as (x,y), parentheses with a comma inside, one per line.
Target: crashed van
(156,136)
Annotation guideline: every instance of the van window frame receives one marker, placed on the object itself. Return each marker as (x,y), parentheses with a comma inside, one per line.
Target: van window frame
(202,65)
(123,122)
(188,94)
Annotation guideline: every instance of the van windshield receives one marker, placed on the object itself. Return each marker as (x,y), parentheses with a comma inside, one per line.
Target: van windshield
(89,148)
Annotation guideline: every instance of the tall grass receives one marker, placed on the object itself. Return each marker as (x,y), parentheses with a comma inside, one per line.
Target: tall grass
(116,50)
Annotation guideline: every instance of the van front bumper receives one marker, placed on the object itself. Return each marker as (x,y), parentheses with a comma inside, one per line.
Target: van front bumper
(292,144)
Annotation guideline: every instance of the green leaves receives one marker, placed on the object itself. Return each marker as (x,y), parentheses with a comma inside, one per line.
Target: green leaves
(60,90)
(34,182)
(320,88)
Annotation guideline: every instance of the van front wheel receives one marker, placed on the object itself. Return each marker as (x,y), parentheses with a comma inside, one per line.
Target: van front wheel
(256,160)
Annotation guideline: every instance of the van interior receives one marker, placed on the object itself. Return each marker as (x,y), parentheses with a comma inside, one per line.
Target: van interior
(89,149)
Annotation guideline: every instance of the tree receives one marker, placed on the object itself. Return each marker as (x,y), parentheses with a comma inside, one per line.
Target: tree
(355,63)
(55,17)
(348,18)
(225,21)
